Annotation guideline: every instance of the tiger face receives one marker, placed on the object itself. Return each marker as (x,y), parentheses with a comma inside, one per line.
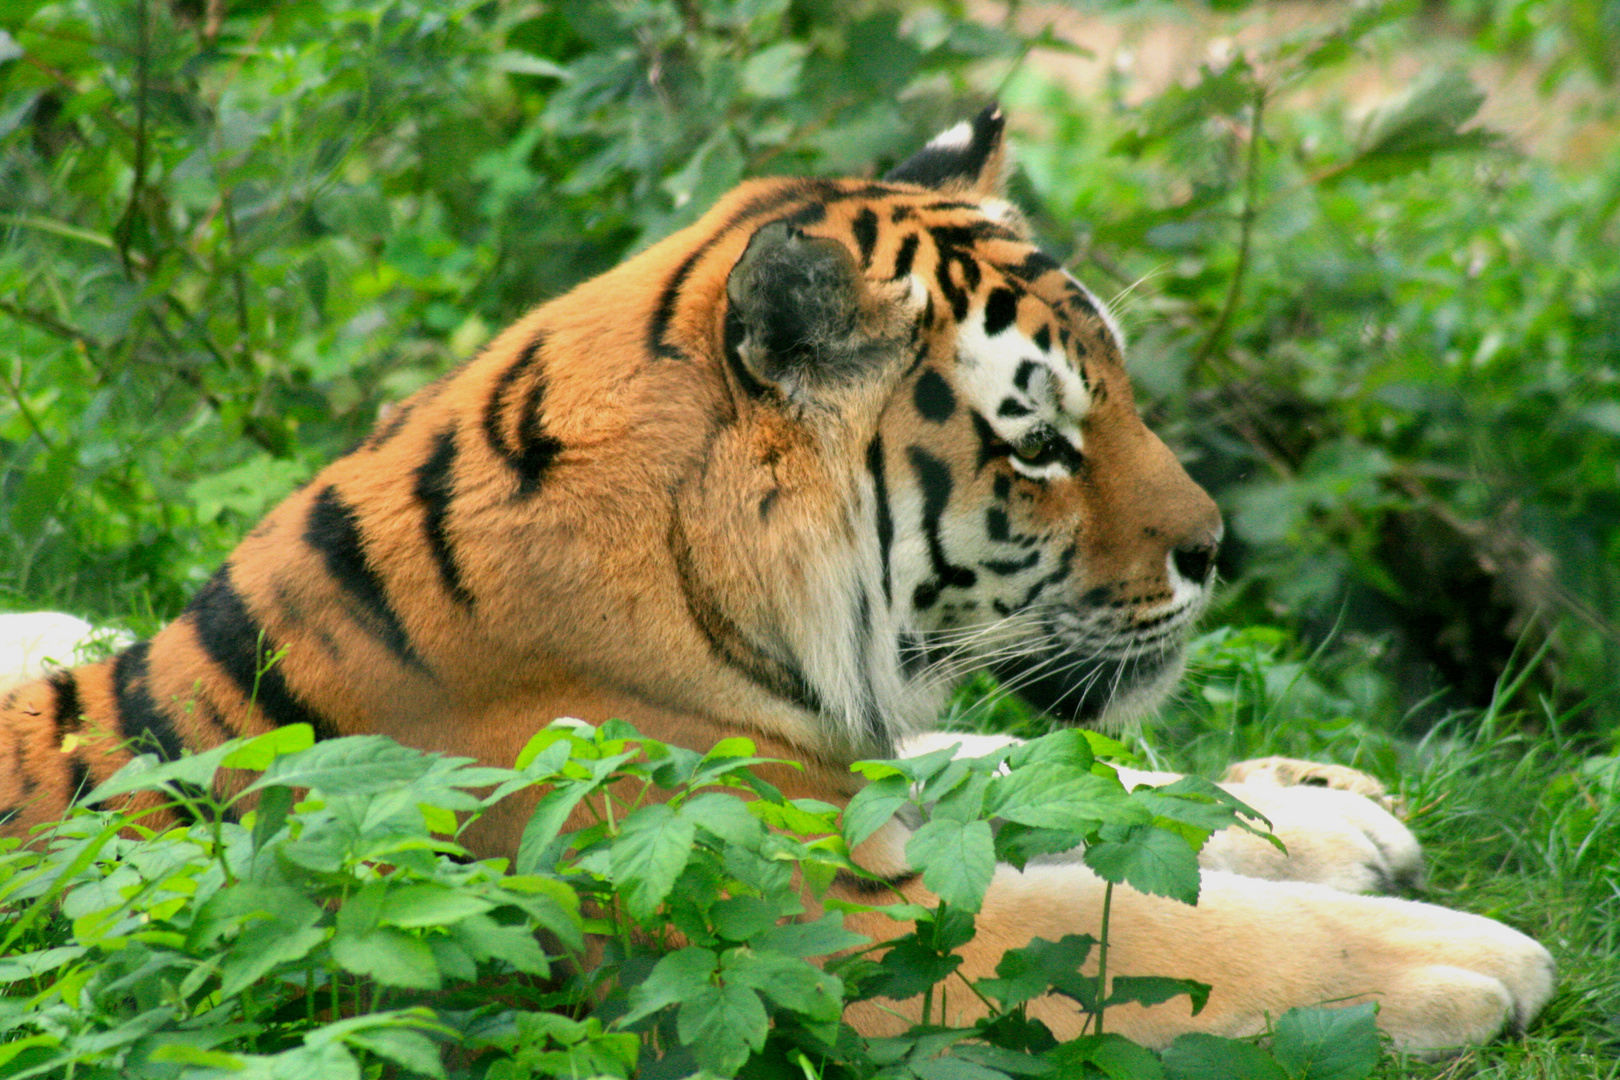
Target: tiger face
(1012,510)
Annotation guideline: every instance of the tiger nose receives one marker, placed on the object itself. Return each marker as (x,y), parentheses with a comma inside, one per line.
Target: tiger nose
(1195,561)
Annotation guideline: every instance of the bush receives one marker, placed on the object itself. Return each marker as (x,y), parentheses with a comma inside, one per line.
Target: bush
(349,932)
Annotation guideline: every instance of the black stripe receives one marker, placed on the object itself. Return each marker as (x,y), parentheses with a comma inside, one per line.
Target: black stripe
(933,397)
(885,520)
(68,709)
(866,233)
(877,733)
(934,477)
(1012,407)
(140,721)
(728,642)
(1000,311)
(882,885)
(235,641)
(736,330)
(79,783)
(435,489)
(334,530)
(530,451)
(904,257)
(1035,264)
(1008,567)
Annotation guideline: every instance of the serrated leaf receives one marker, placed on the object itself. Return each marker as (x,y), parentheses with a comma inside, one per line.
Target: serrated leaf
(648,855)
(1411,129)
(1112,1055)
(874,805)
(1055,796)
(258,752)
(675,977)
(1205,1057)
(1149,860)
(1328,1044)
(392,957)
(790,983)
(349,766)
(409,1049)
(823,937)
(258,950)
(721,1024)
(428,904)
(957,860)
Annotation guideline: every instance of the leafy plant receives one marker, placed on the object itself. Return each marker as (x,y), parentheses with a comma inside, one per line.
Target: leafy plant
(338,926)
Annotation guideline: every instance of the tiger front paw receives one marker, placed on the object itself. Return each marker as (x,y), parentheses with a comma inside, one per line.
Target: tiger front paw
(1333,836)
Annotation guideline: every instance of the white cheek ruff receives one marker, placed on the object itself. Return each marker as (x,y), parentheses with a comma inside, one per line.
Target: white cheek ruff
(1103,313)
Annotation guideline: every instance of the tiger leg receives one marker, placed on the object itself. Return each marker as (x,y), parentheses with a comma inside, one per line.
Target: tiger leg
(1441,978)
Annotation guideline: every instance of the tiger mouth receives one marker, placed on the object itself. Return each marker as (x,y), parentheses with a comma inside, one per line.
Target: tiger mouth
(1083,672)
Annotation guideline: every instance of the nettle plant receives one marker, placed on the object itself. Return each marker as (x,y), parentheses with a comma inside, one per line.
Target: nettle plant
(326,922)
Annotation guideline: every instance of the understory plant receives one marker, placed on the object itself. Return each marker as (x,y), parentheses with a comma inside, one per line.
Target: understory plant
(310,911)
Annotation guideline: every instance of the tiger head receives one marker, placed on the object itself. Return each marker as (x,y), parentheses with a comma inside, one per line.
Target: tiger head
(934,463)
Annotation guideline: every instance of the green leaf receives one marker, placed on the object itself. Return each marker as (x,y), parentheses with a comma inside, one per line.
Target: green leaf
(258,752)
(739,918)
(1028,972)
(1411,129)
(1112,1055)
(790,983)
(1062,797)
(1204,1057)
(486,939)
(674,978)
(721,1024)
(429,904)
(647,856)
(258,950)
(873,806)
(409,1049)
(823,937)
(1149,860)
(1156,989)
(957,860)
(773,72)
(392,957)
(349,766)
(1328,1044)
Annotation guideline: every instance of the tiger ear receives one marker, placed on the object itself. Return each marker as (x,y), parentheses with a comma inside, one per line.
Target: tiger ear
(964,160)
(795,317)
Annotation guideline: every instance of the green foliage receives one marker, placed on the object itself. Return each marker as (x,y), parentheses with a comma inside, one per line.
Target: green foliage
(1387,342)
(350,933)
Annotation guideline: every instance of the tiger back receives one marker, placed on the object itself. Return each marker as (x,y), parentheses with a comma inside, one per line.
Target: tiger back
(786,473)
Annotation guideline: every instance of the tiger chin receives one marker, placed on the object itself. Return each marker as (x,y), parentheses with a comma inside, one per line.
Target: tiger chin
(788,474)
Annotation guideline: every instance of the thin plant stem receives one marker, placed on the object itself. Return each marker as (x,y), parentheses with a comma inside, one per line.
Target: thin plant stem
(1246,219)
(1102,955)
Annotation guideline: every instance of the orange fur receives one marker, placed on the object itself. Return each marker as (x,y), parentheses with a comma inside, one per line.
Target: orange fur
(784,475)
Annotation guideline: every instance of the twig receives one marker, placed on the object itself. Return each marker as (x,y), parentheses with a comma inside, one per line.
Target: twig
(1246,218)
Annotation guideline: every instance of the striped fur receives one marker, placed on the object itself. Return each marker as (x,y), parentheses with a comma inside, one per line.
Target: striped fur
(786,474)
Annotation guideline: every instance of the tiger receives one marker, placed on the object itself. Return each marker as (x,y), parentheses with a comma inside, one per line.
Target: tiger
(788,474)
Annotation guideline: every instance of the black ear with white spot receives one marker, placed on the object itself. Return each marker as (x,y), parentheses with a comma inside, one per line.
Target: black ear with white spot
(795,314)
(966,159)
